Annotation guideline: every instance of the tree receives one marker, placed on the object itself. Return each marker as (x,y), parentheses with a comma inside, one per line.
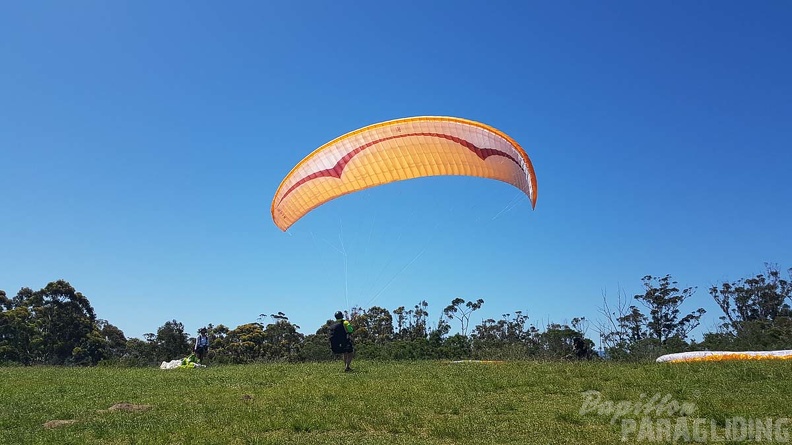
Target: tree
(629,333)
(508,338)
(17,330)
(663,298)
(756,312)
(401,319)
(63,318)
(761,298)
(114,338)
(418,324)
(557,341)
(508,330)
(244,343)
(281,339)
(412,324)
(140,352)
(374,325)
(456,310)
(172,342)
(621,326)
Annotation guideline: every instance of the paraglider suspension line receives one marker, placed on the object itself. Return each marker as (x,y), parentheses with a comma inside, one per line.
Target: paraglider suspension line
(346,263)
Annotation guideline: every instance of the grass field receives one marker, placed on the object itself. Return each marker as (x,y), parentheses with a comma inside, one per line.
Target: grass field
(380,403)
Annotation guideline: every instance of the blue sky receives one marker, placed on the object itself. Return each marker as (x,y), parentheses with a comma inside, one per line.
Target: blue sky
(141,144)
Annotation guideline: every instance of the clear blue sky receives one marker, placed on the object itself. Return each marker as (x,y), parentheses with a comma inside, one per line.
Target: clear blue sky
(141,144)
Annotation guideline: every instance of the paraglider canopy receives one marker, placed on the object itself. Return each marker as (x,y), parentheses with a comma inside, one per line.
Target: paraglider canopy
(719,356)
(398,150)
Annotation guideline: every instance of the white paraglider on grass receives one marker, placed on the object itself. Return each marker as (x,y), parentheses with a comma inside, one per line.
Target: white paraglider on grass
(715,356)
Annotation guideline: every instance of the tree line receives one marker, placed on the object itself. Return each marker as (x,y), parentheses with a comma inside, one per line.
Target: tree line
(57,325)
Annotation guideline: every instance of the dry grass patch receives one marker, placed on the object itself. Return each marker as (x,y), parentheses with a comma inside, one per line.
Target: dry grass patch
(58,423)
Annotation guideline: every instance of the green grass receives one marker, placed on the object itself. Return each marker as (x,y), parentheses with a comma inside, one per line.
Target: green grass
(399,402)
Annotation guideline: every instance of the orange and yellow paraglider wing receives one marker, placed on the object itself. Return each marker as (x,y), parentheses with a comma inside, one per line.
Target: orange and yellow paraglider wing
(399,150)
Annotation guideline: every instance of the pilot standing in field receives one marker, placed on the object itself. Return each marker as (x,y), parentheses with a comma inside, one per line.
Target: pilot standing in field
(201,345)
(340,341)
